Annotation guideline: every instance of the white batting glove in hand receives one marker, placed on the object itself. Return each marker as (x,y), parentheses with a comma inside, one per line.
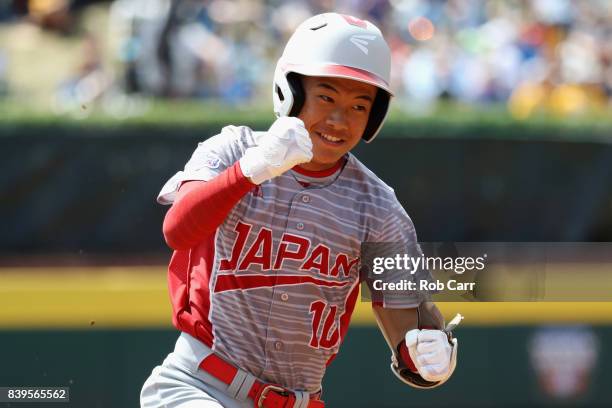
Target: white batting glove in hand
(432,354)
(286,144)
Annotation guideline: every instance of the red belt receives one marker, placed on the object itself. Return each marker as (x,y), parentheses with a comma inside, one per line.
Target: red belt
(263,395)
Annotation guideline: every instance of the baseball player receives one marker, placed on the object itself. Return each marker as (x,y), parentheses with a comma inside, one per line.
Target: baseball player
(266,229)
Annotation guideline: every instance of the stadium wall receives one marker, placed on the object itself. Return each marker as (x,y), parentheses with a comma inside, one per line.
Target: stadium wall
(79,189)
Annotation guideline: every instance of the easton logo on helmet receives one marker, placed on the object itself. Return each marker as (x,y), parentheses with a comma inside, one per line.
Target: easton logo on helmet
(361,41)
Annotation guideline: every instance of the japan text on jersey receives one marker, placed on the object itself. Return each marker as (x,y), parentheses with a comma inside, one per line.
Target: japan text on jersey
(273,289)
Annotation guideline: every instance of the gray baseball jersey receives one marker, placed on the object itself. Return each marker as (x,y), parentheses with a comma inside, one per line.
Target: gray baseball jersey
(273,290)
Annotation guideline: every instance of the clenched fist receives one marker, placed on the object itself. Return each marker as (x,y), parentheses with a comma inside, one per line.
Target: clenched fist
(286,144)
(431,352)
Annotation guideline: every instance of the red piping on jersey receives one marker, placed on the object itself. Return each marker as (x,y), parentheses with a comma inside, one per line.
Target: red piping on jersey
(233,282)
(319,173)
(200,207)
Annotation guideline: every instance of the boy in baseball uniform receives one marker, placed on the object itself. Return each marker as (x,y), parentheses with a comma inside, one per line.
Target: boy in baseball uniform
(267,228)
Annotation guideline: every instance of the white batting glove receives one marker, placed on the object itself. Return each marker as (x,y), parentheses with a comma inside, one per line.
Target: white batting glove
(432,354)
(286,144)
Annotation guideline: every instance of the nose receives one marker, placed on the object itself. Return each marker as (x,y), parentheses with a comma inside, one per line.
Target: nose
(337,120)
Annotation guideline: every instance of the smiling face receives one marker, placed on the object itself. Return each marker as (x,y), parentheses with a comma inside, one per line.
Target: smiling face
(335,113)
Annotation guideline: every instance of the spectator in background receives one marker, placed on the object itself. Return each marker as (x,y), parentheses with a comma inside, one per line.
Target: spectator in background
(551,56)
(539,55)
(51,14)
(87,84)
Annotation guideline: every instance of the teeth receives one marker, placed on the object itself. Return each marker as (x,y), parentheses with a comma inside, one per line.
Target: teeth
(330,138)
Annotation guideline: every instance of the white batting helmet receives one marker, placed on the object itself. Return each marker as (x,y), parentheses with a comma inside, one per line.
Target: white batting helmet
(340,46)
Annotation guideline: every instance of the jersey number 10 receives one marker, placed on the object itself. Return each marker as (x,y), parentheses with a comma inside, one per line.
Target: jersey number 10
(330,334)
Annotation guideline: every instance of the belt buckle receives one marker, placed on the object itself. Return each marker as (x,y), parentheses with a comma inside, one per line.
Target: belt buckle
(264,393)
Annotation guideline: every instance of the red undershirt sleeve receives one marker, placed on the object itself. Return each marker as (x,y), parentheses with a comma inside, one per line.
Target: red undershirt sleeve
(201,206)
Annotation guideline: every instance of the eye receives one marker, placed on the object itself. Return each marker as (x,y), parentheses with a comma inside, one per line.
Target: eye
(326,98)
(360,108)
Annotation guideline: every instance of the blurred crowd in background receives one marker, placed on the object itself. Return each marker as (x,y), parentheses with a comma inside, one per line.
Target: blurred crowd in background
(551,56)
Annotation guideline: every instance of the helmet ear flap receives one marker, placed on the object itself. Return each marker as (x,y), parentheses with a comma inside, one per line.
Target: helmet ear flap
(297,89)
(288,94)
(282,95)
(380,107)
